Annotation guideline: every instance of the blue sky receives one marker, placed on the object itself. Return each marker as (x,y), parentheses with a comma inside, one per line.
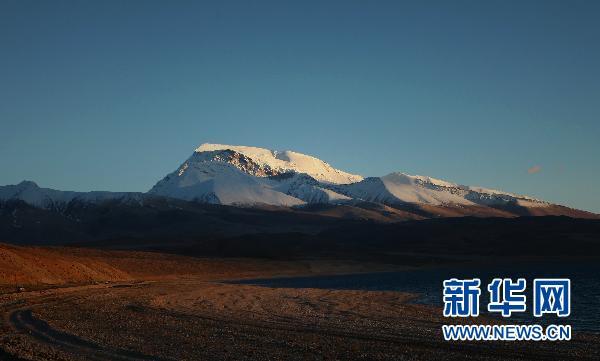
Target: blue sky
(112,95)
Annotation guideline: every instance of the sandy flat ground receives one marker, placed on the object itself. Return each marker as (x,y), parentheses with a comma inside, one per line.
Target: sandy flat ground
(180,309)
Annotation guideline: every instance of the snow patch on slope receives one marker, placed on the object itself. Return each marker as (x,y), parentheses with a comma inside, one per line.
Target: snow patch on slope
(397,188)
(414,189)
(306,188)
(214,181)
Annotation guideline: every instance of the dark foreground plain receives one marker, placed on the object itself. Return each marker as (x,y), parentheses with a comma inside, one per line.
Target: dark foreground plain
(121,305)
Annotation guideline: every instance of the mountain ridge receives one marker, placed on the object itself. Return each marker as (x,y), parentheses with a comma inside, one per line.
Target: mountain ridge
(307,179)
(254,177)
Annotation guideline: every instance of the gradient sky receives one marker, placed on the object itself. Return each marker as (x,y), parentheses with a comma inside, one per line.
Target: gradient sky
(113,95)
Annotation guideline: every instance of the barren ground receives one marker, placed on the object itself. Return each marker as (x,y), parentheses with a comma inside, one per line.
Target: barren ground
(163,307)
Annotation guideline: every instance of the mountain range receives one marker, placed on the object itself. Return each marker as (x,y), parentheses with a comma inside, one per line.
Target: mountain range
(252,177)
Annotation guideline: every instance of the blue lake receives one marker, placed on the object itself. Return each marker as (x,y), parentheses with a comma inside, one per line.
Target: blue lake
(585,287)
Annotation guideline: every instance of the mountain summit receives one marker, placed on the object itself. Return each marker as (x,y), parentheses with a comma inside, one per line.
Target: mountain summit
(241,175)
(278,162)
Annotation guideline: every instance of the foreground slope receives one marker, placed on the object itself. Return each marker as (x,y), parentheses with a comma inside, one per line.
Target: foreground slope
(164,307)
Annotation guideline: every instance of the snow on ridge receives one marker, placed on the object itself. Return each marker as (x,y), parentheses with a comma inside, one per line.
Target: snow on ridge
(497,192)
(288,161)
(425,179)
(476,189)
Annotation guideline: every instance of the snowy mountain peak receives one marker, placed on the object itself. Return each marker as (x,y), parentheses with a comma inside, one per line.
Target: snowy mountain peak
(287,161)
(229,174)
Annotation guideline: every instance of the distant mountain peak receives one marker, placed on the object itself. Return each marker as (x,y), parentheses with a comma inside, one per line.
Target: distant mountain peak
(27,184)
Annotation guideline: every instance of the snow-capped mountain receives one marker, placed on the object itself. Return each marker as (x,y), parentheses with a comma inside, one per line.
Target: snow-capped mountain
(31,193)
(225,174)
(239,175)
(251,176)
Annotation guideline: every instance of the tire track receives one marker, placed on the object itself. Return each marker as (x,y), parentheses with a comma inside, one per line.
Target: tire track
(22,320)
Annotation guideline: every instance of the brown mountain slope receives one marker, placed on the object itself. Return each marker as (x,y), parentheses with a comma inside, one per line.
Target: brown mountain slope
(40,267)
